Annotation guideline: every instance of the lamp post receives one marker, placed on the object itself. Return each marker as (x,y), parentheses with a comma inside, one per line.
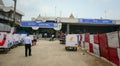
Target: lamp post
(14,18)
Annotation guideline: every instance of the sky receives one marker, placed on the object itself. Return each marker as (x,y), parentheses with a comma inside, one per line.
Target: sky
(92,9)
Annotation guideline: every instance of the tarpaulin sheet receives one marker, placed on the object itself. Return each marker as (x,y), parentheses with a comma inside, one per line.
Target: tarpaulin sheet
(113,40)
(16,37)
(104,52)
(87,38)
(23,36)
(114,55)
(2,39)
(2,42)
(96,39)
(96,49)
(103,40)
(92,39)
(9,41)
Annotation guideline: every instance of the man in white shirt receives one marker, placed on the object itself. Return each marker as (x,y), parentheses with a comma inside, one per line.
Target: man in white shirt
(52,37)
(28,44)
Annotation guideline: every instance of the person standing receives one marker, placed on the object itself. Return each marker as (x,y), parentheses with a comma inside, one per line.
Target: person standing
(28,44)
(52,37)
(45,35)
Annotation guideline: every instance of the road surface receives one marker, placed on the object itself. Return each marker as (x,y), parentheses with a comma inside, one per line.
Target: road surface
(50,53)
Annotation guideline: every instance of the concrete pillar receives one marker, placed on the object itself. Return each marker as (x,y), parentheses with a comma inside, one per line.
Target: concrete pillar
(56,34)
(68,28)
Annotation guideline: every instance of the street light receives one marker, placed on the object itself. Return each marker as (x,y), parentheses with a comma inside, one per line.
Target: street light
(14,18)
(14,13)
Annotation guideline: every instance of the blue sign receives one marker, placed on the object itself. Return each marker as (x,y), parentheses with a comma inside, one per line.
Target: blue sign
(97,21)
(39,24)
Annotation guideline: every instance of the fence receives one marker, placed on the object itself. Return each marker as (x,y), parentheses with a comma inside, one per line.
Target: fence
(105,45)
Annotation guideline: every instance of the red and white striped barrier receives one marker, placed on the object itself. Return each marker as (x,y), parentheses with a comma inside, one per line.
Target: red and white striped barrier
(104,52)
(103,40)
(87,37)
(92,39)
(96,49)
(113,55)
(82,44)
(87,46)
(96,38)
(91,48)
(113,40)
(118,50)
(105,45)
(83,37)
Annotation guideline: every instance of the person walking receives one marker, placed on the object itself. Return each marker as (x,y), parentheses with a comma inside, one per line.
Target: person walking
(28,44)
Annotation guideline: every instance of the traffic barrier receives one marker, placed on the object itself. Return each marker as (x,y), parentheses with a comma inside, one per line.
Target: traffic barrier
(104,52)
(113,53)
(87,37)
(103,40)
(91,47)
(82,44)
(96,49)
(92,39)
(96,38)
(87,46)
(80,37)
(113,40)
(118,51)
(83,37)
(104,45)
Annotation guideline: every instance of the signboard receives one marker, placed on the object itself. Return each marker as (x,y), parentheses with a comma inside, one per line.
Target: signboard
(97,21)
(59,26)
(39,24)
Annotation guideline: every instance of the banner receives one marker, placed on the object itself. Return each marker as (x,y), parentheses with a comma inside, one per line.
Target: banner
(97,21)
(39,24)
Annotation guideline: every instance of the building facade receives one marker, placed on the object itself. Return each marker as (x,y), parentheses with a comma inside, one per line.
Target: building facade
(7,17)
(72,25)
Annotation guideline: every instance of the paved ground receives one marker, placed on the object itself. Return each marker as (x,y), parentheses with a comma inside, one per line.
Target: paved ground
(49,53)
